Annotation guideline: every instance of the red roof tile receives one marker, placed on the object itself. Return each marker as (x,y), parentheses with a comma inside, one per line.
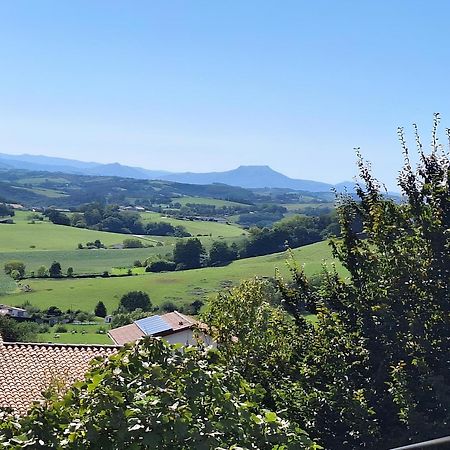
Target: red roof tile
(26,370)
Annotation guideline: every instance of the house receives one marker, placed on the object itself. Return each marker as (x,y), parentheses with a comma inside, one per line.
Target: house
(27,370)
(174,327)
(12,311)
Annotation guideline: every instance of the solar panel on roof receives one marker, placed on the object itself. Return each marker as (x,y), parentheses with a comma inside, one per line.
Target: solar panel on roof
(153,325)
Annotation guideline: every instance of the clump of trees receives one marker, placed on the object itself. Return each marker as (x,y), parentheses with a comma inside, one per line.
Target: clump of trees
(6,210)
(14,331)
(97,216)
(15,269)
(132,243)
(188,254)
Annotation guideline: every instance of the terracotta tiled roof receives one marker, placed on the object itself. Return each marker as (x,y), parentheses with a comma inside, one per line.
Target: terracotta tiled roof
(26,370)
(127,333)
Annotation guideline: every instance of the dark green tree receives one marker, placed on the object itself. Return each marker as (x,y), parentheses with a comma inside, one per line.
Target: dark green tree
(55,270)
(133,300)
(220,252)
(13,331)
(376,369)
(188,254)
(100,309)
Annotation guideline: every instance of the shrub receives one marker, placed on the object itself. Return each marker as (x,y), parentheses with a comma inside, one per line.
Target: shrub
(17,266)
(161,266)
(132,243)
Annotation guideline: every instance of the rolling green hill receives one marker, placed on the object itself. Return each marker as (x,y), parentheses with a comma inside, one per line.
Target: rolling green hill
(180,287)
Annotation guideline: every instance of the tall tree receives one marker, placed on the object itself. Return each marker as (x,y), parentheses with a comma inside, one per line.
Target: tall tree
(100,309)
(135,300)
(188,254)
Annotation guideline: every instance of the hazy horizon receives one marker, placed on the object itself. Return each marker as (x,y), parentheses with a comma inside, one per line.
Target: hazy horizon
(200,86)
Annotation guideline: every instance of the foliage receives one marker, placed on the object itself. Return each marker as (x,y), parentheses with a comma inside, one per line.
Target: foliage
(123,318)
(54,270)
(161,266)
(17,266)
(100,309)
(6,210)
(57,217)
(294,232)
(153,396)
(132,243)
(188,253)
(165,229)
(42,272)
(13,331)
(255,336)
(133,300)
(220,252)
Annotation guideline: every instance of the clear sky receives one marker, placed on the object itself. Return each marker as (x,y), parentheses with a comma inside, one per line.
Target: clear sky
(209,85)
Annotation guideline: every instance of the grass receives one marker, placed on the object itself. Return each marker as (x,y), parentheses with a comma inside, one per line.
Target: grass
(197,227)
(85,261)
(85,334)
(45,235)
(205,201)
(179,287)
(7,284)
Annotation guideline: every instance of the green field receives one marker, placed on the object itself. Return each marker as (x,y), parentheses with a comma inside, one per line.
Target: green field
(205,201)
(77,334)
(180,287)
(197,227)
(45,235)
(85,261)
(43,242)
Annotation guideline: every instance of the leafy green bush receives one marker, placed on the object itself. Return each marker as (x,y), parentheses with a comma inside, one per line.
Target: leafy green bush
(152,396)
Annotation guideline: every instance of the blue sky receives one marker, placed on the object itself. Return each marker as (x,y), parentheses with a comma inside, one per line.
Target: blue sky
(209,85)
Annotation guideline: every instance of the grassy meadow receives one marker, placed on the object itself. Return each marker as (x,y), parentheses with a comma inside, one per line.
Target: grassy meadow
(77,334)
(44,235)
(179,287)
(205,201)
(213,229)
(42,242)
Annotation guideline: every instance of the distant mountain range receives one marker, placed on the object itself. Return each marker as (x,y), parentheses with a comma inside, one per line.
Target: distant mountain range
(243,176)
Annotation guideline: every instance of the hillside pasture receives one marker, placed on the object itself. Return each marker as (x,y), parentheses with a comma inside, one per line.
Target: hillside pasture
(195,227)
(180,287)
(44,235)
(85,261)
(206,201)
